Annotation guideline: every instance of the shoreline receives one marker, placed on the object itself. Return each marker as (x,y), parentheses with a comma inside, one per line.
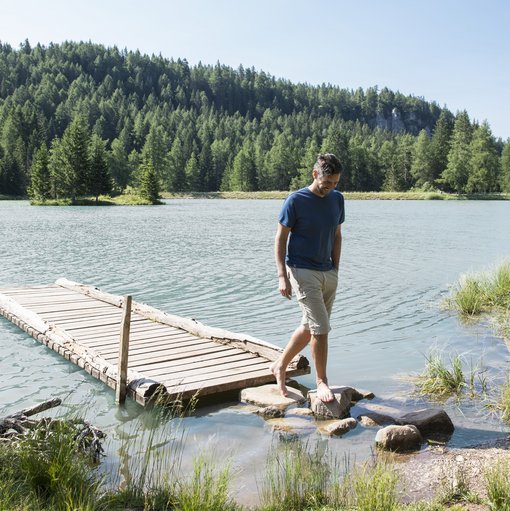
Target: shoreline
(129,199)
(280,195)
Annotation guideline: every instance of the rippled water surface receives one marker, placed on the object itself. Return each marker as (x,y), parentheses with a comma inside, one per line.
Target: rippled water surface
(213,260)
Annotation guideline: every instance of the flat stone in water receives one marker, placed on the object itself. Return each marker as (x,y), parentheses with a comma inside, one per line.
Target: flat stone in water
(337,427)
(269,395)
(292,425)
(299,412)
(373,419)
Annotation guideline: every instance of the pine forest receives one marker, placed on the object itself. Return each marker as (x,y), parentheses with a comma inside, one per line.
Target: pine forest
(81,119)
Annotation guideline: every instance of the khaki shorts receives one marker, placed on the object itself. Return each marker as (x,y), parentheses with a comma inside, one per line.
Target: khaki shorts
(315,291)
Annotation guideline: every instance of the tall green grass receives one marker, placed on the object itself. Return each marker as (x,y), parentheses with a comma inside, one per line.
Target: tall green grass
(497,480)
(299,477)
(482,292)
(44,469)
(440,380)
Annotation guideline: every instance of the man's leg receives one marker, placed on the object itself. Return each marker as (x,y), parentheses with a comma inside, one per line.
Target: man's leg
(300,338)
(319,347)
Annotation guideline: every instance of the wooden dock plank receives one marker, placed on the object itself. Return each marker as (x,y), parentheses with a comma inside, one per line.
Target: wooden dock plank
(83,325)
(147,344)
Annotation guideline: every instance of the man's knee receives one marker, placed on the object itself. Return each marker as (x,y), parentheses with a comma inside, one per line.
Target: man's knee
(320,337)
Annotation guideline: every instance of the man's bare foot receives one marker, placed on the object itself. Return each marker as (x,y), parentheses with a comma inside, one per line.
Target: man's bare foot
(279,373)
(324,392)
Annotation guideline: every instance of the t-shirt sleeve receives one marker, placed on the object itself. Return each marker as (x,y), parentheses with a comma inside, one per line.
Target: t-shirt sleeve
(287,215)
(342,210)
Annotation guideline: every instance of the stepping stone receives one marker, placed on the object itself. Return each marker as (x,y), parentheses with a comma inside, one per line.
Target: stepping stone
(336,409)
(298,412)
(269,395)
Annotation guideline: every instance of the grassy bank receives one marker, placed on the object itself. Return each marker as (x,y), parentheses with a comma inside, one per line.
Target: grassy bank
(348,195)
(104,200)
(49,473)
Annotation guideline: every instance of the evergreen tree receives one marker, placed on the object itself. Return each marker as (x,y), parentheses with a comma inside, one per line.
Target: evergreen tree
(192,173)
(484,163)
(63,179)
(421,167)
(304,175)
(176,181)
(504,181)
(156,149)
(244,174)
(457,170)
(440,145)
(99,180)
(280,163)
(118,165)
(149,183)
(75,148)
(40,187)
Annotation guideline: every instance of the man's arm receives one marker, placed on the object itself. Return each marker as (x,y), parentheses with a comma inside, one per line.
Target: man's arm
(280,250)
(337,247)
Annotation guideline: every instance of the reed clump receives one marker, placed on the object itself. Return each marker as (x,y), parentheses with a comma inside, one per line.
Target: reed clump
(485,292)
(497,481)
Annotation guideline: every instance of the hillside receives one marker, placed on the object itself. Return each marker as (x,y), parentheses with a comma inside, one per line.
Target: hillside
(206,128)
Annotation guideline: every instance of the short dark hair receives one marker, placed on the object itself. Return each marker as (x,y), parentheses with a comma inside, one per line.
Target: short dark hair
(328,164)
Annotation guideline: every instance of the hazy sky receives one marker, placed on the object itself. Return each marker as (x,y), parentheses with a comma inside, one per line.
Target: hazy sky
(454,52)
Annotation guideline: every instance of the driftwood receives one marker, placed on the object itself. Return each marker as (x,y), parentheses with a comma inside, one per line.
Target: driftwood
(18,426)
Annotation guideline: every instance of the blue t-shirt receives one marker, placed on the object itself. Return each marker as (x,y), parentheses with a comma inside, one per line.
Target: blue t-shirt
(313,221)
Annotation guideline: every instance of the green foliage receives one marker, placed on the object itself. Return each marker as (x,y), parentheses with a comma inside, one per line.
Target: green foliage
(298,477)
(46,470)
(149,183)
(484,164)
(441,381)
(98,180)
(375,488)
(40,187)
(456,174)
(166,111)
(244,174)
(497,480)
(503,403)
(505,168)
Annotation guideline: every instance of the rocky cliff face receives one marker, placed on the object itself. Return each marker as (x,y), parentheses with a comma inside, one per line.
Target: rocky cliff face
(397,123)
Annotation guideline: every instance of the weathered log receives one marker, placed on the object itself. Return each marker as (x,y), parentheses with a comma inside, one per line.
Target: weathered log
(41,407)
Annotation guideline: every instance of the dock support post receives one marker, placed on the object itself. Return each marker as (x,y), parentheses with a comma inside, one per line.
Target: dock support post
(120,394)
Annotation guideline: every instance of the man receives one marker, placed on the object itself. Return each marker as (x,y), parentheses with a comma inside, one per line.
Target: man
(307,251)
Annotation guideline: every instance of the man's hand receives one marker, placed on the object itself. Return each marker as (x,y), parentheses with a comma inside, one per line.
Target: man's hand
(285,287)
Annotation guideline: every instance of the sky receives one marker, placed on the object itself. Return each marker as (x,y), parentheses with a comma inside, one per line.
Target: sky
(453,52)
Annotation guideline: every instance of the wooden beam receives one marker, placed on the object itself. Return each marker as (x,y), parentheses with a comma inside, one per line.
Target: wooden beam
(120,391)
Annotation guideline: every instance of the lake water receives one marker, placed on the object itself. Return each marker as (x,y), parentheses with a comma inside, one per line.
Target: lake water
(213,260)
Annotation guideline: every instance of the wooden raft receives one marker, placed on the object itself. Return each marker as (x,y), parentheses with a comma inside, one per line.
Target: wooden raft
(169,356)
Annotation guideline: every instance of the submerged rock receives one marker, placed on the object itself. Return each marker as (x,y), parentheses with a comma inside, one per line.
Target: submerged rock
(271,412)
(399,438)
(300,412)
(339,427)
(374,419)
(292,425)
(269,395)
